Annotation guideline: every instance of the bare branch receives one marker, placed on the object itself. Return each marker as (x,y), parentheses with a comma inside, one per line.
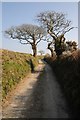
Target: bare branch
(27,34)
(55,23)
(56,26)
(23,42)
(69,30)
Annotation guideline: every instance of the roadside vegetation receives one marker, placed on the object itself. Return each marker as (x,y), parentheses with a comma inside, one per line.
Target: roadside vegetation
(64,58)
(67,71)
(15,67)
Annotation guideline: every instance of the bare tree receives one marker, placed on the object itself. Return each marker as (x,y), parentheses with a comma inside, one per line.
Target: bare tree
(41,52)
(57,26)
(27,34)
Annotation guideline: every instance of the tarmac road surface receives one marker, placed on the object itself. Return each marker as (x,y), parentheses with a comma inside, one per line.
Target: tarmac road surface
(37,96)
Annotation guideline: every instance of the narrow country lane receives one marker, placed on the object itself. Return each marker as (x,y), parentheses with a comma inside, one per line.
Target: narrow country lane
(37,96)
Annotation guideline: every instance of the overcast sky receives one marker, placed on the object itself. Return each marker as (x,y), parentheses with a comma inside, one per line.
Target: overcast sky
(17,13)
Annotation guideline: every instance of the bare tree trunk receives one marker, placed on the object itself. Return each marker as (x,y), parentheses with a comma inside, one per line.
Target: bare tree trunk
(34,52)
(34,48)
(51,49)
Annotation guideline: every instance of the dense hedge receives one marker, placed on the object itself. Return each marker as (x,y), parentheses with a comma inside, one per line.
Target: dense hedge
(67,71)
(15,67)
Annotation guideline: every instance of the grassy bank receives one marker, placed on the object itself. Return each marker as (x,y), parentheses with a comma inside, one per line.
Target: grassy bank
(67,71)
(15,67)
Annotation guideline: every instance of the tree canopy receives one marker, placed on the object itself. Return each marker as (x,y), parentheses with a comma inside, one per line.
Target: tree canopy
(27,34)
(57,26)
(53,27)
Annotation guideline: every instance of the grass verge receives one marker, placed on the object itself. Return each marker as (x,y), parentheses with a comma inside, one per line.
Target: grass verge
(15,67)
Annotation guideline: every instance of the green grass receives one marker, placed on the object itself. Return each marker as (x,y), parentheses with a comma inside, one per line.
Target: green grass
(15,67)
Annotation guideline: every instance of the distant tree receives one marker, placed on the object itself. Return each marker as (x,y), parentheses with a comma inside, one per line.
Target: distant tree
(41,52)
(27,34)
(57,26)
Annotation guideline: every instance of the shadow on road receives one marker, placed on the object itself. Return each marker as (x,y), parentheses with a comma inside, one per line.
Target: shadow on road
(34,104)
(42,98)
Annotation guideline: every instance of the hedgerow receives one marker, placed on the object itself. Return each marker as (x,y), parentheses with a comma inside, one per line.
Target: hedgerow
(15,67)
(67,71)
